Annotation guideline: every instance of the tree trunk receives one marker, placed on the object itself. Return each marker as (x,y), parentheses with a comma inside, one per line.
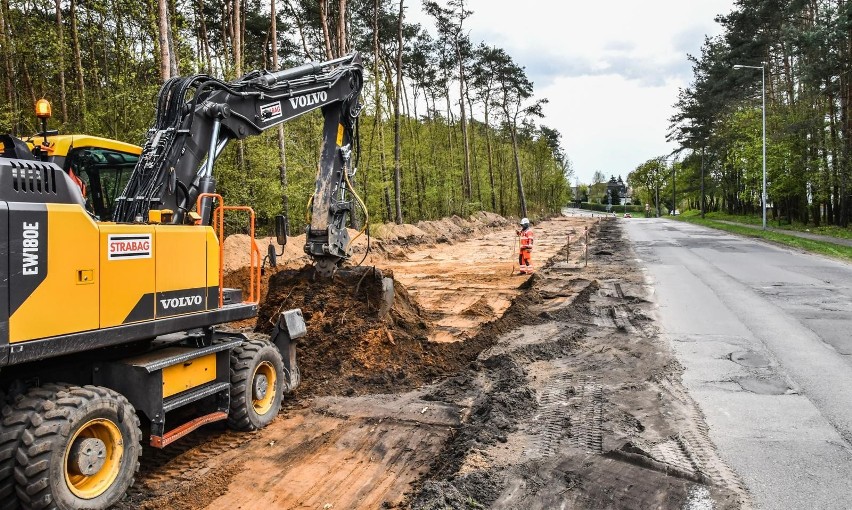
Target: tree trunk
(846,130)
(28,84)
(379,123)
(204,40)
(466,180)
(415,138)
(472,132)
(78,64)
(164,38)
(6,50)
(237,37)
(323,12)
(490,159)
(500,167)
(397,171)
(173,63)
(282,152)
(61,57)
(451,148)
(237,13)
(521,197)
(341,27)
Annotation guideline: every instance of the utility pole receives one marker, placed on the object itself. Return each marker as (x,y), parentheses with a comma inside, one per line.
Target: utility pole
(702,181)
(674,190)
(657,187)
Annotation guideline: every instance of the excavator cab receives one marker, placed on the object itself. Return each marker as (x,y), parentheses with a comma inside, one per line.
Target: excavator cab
(99,166)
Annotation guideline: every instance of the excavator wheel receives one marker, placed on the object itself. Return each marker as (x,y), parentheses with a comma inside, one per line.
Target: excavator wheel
(80,450)
(16,417)
(257,382)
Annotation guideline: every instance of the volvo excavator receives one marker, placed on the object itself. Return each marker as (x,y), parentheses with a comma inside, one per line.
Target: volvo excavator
(110,326)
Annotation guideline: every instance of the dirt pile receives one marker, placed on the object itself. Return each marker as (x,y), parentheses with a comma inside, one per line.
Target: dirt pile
(238,251)
(385,240)
(349,349)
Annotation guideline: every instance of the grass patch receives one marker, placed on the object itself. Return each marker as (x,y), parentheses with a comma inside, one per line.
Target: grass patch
(753,219)
(821,247)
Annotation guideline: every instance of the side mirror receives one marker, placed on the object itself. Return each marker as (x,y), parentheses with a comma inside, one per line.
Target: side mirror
(281,229)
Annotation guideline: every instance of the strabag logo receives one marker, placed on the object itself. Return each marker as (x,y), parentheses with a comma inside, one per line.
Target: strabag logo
(128,246)
(270,111)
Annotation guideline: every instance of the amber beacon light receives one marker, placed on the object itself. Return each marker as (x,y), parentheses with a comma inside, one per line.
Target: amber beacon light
(43,112)
(42,108)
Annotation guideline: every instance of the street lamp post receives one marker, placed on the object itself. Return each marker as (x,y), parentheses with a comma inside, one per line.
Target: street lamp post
(762,68)
(702,182)
(660,162)
(674,190)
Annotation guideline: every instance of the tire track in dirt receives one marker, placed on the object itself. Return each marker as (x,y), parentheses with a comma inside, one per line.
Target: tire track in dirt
(551,424)
(587,418)
(353,468)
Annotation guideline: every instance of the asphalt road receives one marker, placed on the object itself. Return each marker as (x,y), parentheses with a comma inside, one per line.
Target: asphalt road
(765,336)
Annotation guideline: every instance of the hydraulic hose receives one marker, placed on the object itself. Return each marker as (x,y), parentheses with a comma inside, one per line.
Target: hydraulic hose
(363,208)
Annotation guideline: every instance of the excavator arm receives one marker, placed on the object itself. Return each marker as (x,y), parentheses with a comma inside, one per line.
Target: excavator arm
(198,115)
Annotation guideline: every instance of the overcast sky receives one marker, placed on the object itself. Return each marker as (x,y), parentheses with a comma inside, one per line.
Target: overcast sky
(611,69)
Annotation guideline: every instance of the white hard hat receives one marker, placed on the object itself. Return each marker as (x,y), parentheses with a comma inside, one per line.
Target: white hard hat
(525,221)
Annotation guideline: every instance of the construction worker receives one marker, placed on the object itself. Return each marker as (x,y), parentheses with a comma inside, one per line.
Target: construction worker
(524,255)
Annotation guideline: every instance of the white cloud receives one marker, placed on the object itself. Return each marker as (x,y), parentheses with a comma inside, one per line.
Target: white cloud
(608,123)
(610,69)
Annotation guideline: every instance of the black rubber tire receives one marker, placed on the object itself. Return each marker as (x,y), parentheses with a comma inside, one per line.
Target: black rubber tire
(16,418)
(244,361)
(40,471)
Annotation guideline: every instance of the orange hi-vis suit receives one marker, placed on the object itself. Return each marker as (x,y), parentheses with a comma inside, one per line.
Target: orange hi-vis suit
(525,254)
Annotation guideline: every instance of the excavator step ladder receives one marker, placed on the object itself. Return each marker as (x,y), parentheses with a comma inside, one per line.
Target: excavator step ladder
(164,380)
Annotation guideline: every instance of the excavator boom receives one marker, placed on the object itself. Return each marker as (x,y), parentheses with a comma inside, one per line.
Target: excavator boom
(198,115)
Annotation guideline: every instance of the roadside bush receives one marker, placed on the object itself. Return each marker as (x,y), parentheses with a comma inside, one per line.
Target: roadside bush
(615,208)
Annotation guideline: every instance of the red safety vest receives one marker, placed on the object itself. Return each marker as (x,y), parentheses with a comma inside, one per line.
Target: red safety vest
(526,239)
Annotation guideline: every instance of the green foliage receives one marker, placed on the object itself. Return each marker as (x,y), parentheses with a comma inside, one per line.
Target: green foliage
(822,247)
(614,209)
(113,92)
(803,49)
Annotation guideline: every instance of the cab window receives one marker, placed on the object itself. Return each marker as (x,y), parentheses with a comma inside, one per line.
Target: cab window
(104,173)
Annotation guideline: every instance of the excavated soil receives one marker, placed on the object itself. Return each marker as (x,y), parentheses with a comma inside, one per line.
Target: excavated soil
(478,390)
(349,348)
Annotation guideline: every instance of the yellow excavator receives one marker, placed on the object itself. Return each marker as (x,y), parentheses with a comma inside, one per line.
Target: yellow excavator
(110,300)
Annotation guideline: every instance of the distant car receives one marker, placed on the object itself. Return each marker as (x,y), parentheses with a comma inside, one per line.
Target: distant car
(627,215)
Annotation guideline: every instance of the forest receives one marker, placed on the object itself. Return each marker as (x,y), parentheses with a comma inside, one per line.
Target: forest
(804,50)
(449,125)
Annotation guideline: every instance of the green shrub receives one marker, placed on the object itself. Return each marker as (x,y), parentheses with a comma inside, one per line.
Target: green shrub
(615,208)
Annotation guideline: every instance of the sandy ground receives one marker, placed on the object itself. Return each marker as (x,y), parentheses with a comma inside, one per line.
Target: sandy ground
(480,389)
(475,281)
